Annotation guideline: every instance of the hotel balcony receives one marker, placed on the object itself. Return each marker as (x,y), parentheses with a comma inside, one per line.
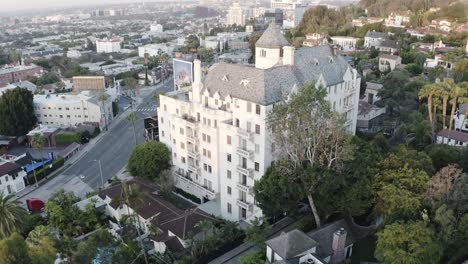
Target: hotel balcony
(187,181)
(245,188)
(245,134)
(194,168)
(190,121)
(193,153)
(192,138)
(348,107)
(350,90)
(245,153)
(245,205)
(245,171)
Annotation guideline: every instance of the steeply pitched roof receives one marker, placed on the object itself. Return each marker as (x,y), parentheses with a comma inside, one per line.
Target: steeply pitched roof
(272,38)
(267,86)
(291,244)
(454,134)
(25,159)
(8,168)
(150,204)
(388,43)
(185,224)
(324,236)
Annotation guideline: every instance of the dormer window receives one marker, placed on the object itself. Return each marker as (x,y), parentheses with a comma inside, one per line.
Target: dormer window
(225,78)
(330,59)
(316,62)
(244,82)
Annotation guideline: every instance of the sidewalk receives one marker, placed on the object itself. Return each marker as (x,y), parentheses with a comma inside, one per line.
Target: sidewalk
(84,150)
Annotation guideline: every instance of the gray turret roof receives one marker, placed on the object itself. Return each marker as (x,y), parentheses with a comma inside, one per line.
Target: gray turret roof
(267,86)
(272,38)
(290,244)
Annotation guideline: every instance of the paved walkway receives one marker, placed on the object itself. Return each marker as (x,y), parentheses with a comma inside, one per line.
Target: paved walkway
(232,257)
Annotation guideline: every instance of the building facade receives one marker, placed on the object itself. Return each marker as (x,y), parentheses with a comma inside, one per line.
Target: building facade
(108,45)
(217,129)
(11,178)
(11,74)
(72,109)
(235,15)
(345,43)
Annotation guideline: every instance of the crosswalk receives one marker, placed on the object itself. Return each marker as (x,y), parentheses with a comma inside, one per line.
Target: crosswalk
(146,109)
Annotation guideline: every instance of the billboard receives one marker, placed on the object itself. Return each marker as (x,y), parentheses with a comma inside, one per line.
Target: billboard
(183,73)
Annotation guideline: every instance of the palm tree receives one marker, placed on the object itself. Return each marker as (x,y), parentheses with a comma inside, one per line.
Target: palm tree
(37,235)
(205,227)
(444,90)
(135,195)
(428,91)
(103,98)
(132,117)
(37,142)
(457,94)
(12,215)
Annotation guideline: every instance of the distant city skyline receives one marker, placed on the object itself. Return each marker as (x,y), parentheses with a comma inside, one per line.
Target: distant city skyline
(19,5)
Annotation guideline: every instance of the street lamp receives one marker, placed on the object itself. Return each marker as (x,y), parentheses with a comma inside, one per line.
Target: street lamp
(100,171)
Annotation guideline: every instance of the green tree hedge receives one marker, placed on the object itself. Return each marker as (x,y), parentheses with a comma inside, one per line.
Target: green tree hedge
(16,112)
(65,138)
(149,159)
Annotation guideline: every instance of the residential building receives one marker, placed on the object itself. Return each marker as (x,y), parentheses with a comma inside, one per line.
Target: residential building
(217,131)
(359,22)
(16,73)
(151,210)
(285,4)
(437,61)
(388,62)
(12,178)
(461,118)
(87,83)
(346,43)
(332,243)
(452,138)
(73,109)
(397,20)
(315,39)
(235,15)
(108,45)
(21,84)
(158,28)
(155,49)
(370,116)
(441,24)
(389,46)
(374,39)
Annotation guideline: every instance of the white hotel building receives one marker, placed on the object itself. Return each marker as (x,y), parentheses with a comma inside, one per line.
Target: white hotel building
(72,109)
(217,129)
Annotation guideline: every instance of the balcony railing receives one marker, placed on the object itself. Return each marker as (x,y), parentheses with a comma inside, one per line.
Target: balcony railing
(245,171)
(245,134)
(244,188)
(195,185)
(245,205)
(245,153)
(193,153)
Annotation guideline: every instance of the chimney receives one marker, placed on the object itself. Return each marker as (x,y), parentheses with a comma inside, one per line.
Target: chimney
(288,55)
(338,247)
(196,85)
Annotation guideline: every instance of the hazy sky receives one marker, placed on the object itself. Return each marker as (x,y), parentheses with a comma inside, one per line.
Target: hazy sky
(11,5)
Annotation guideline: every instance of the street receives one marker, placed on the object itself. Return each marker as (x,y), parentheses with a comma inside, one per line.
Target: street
(112,149)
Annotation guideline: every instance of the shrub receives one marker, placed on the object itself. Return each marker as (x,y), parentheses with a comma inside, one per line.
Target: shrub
(66,138)
(45,171)
(187,195)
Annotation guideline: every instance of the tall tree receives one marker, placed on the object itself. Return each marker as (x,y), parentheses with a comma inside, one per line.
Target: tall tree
(14,250)
(133,118)
(12,215)
(16,112)
(149,160)
(41,248)
(310,135)
(411,242)
(103,99)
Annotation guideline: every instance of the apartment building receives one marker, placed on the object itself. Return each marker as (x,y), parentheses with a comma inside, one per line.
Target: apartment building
(10,74)
(73,109)
(108,45)
(236,15)
(216,129)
